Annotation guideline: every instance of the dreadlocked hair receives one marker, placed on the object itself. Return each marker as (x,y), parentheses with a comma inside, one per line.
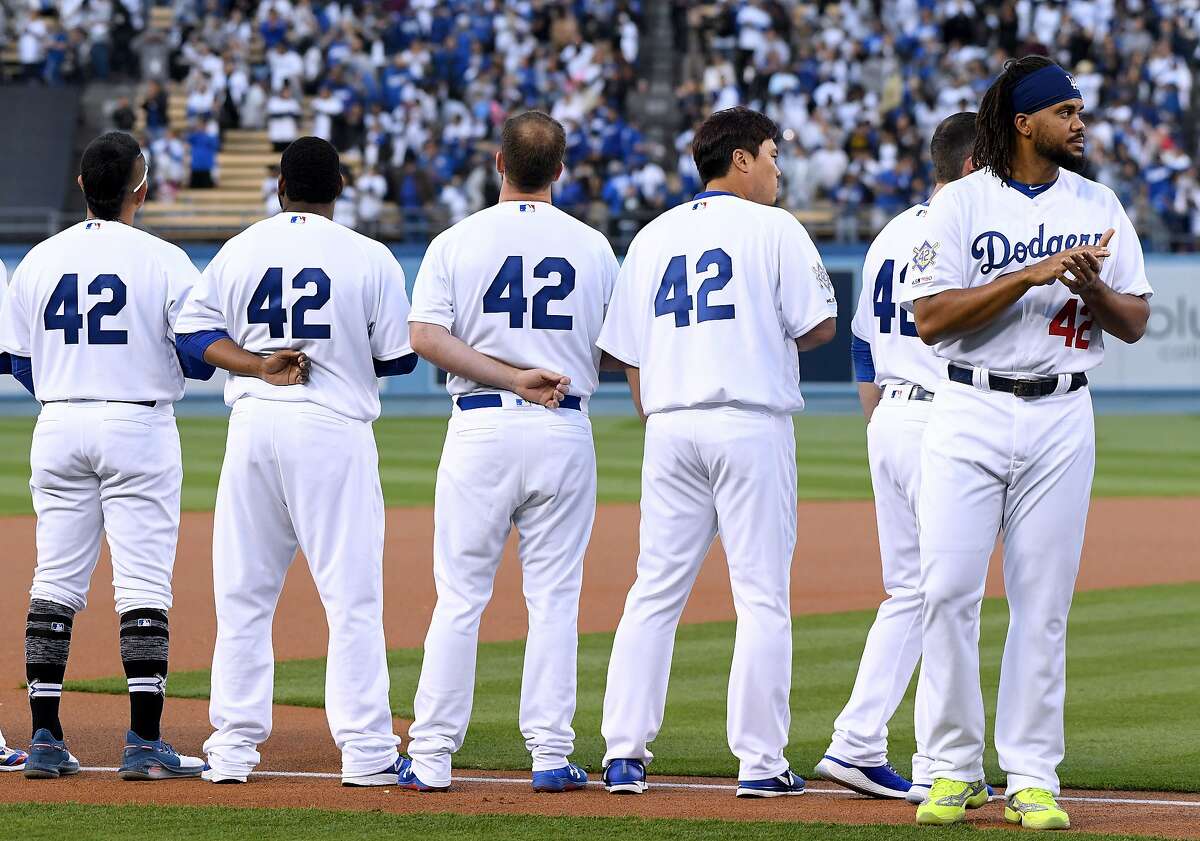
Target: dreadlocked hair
(996,136)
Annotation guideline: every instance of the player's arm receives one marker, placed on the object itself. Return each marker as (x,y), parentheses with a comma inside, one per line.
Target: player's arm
(537,385)
(957,312)
(1117,313)
(818,335)
(634,376)
(864,375)
(283,367)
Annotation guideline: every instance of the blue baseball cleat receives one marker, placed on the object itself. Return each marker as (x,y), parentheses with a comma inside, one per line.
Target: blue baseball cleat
(880,781)
(625,776)
(570,777)
(12,759)
(780,785)
(146,759)
(49,758)
(407,778)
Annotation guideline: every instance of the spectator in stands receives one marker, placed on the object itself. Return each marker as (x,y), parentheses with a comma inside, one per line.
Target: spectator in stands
(123,118)
(203,144)
(252,110)
(371,188)
(154,106)
(325,108)
(169,153)
(345,210)
(31,46)
(283,118)
(270,191)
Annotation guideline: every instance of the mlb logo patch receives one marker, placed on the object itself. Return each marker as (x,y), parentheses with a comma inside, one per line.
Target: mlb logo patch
(527,208)
(700,205)
(298,220)
(92,226)
(58,627)
(145,623)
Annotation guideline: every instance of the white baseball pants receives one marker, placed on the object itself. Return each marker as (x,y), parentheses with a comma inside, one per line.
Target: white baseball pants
(893,646)
(298,475)
(992,462)
(100,467)
(709,471)
(535,469)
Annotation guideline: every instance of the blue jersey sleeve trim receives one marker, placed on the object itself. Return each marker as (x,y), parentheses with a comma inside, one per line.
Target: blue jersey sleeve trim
(5,363)
(190,348)
(22,371)
(397,367)
(864,364)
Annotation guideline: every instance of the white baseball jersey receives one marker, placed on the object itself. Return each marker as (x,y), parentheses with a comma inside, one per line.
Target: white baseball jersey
(709,302)
(896,349)
(95,307)
(979,229)
(524,283)
(300,281)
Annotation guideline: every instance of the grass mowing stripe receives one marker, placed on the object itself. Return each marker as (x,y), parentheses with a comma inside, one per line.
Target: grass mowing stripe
(1129,696)
(52,822)
(1150,455)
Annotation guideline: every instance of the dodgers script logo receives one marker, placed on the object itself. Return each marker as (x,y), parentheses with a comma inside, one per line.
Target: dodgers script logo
(997,252)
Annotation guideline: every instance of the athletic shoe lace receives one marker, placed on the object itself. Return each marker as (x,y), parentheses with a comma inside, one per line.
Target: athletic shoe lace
(1040,796)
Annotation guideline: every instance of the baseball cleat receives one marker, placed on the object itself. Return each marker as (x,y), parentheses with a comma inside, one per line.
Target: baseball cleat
(625,776)
(211,775)
(146,759)
(949,800)
(917,793)
(780,785)
(407,778)
(570,777)
(49,758)
(12,759)
(880,781)
(1035,808)
(389,776)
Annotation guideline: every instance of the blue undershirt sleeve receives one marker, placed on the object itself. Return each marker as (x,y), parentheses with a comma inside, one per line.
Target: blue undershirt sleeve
(190,348)
(397,367)
(864,365)
(22,371)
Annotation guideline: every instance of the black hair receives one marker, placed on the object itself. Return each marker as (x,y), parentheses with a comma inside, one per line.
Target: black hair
(995,139)
(952,143)
(311,171)
(532,145)
(723,133)
(106,169)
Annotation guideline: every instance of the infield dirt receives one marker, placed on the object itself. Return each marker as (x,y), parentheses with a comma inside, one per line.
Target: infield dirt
(1130,542)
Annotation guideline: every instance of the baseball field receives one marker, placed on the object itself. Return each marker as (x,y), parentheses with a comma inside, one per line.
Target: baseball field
(1134,665)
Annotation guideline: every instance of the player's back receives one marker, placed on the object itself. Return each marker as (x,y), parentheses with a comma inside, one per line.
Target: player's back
(300,281)
(524,283)
(92,306)
(897,351)
(713,294)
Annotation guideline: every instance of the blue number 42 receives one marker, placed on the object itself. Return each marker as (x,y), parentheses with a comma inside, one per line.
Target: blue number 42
(62,310)
(506,294)
(673,297)
(266,303)
(885,309)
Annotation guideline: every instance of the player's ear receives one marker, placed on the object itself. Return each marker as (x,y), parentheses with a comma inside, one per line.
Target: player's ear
(499,162)
(557,173)
(281,192)
(79,181)
(968,166)
(1024,128)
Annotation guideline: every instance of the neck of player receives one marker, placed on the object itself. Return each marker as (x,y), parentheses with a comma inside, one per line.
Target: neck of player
(1028,167)
(128,211)
(511,193)
(325,210)
(728,184)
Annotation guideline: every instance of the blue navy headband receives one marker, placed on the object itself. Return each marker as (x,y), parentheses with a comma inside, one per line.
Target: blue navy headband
(1043,88)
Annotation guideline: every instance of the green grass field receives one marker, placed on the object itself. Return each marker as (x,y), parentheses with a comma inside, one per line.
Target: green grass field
(49,822)
(1133,660)
(1144,455)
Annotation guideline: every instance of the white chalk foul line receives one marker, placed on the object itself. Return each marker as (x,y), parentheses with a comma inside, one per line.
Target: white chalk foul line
(833,792)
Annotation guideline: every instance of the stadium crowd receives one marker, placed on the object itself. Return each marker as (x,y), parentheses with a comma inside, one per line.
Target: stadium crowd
(413,92)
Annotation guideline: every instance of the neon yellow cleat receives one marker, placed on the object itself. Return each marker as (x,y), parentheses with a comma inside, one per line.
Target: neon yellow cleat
(949,801)
(1035,808)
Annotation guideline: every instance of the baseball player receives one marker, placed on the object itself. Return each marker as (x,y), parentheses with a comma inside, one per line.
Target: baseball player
(897,376)
(511,288)
(89,321)
(1023,267)
(11,759)
(713,301)
(301,469)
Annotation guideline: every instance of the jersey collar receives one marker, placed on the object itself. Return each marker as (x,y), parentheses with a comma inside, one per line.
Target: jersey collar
(1032,191)
(708,194)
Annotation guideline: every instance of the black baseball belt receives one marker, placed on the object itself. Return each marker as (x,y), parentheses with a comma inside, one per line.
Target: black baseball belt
(1018,387)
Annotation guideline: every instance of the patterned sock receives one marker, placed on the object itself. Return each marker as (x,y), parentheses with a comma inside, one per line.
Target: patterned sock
(47,645)
(144,647)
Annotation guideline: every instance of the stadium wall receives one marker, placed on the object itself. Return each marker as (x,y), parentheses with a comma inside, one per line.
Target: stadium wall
(1153,375)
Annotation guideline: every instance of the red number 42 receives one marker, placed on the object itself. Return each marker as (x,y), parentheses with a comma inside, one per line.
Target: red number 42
(1064,325)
